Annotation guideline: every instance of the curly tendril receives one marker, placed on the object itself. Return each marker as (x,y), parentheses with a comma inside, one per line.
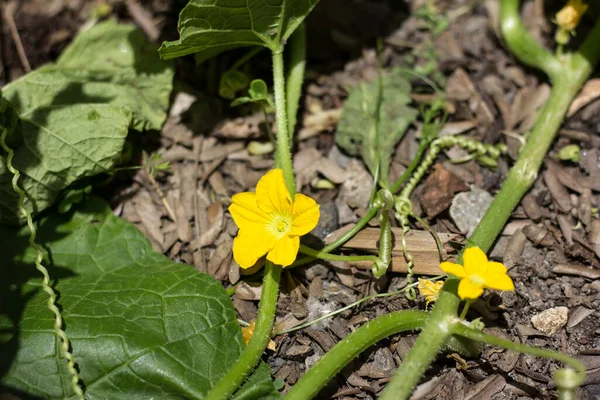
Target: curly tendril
(58,323)
(485,153)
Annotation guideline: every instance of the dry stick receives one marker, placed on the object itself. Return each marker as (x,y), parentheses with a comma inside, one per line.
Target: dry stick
(161,195)
(9,16)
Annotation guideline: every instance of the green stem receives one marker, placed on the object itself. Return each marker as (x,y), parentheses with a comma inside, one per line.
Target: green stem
(565,380)
(569,77)
(284,154)
(522,44)
(423,145)
(295,77)
(252,353)
(342,239)
(429,343)
(334,257)
(345,351)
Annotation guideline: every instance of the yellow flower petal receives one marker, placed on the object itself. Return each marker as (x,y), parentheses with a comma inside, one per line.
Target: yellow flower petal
(244,210)
(493,267)
(499,282)
(272,195)
(454,269)
(251,244)
(285,251)
(474,260)
(469,290)
(305,215)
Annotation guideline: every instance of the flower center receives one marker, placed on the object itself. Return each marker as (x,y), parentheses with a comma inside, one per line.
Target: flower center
(477,280)
(280,225)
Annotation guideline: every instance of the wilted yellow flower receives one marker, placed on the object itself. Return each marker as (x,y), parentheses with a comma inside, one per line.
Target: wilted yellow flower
(477,274)
(271,222)
(431,290)
(248,331)
(568,17)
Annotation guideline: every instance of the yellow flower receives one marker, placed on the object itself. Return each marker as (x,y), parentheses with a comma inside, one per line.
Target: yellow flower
(271,222)
(431,290)
(477,274)
(568,17)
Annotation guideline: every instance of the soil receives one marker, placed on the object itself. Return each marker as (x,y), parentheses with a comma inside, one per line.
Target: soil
(551,244)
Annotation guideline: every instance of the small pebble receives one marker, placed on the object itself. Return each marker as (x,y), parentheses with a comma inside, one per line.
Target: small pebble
(551,320)
(468,208)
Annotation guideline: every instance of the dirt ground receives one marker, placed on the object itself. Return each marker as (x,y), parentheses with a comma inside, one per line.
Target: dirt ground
(551,244)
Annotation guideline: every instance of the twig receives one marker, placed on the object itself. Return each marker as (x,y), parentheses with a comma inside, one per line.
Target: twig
(143,19)
(9,14)
(161,195)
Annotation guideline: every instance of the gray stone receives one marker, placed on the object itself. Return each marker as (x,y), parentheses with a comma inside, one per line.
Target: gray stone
(468,208)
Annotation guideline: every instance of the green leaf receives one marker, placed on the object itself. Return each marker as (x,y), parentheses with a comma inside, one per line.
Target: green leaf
(75,114)
(258,90)
(231,82)
(110,63)
(209,27)
(141,325)
(356,132)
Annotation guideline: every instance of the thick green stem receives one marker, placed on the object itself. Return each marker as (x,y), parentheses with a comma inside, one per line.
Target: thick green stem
(295,77)
(341,354)
(252,353)
(429,343)
(284,153)
(569,76)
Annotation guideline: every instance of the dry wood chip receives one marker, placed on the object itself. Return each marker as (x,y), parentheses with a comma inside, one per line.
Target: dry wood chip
(457,128)
(219,151)
(187,176)
(538,235)
(560,195)
(589,92)
(246,291)
(531,207)
(578,270)
(218,184)
(459,86)
(565,224)
(240,128)
(150,216)
(438,191)
(322,338)
(234,272)
(199,261)
(184,229)
(281,324)
(569,179)
(486,389)
(577,316)
(524,107)
(420,244)
(514,249)
(177,153)
(356,190)
(218,265)
(319,121)
(594,236)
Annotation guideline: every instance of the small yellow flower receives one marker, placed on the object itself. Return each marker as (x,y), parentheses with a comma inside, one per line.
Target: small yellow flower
(477,274)
(431,290)
(270,222)
(568,17)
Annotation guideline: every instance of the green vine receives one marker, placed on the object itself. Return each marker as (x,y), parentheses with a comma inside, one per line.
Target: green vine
(58,322)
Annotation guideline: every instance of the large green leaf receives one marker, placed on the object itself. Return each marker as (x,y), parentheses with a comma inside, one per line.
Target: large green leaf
(356,131)
(75,114)
(110,63)
(141,326)
(208,27)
